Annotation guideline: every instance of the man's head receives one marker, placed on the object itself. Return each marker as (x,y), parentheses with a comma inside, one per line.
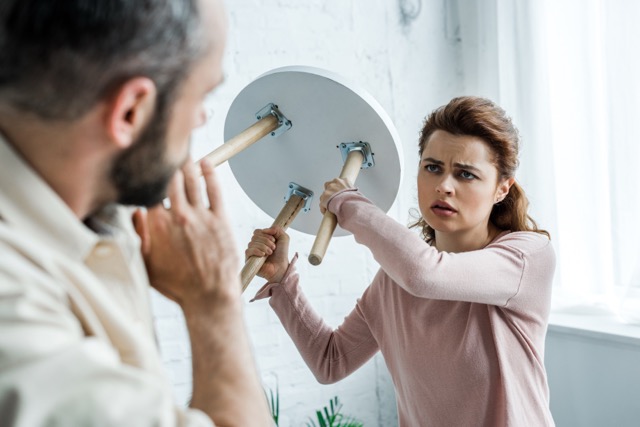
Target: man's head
(59,58)
(149,63)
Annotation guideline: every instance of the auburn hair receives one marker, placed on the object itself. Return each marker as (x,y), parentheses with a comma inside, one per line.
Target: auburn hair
(479,117)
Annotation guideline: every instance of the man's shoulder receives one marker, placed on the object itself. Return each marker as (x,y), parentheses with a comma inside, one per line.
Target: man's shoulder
(21,258)
(30,290)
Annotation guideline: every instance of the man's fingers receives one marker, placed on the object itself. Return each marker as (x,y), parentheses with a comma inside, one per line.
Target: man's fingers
(213,190)
(141,226)
(191,183)
(176,192)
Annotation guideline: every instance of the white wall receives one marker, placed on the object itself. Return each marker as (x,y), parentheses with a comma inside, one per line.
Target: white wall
(594,377)
(410,67)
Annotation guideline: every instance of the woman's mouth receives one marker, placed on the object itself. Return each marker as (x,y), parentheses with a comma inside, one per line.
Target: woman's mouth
(441,208)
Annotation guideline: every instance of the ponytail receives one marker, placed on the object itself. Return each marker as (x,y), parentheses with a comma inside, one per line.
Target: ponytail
(512,212)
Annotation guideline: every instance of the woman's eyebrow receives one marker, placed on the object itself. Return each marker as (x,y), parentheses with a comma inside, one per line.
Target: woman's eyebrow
(466,166)
(432,160)
(458,165)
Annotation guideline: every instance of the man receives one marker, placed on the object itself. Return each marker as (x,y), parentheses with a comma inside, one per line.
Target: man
(97,102)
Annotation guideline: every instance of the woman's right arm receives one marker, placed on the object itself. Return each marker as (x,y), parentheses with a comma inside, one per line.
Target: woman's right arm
(330,354)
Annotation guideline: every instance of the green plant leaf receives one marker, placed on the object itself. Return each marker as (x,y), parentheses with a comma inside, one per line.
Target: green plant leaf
(274,404)
(329,418)
(321,420)
(332,417)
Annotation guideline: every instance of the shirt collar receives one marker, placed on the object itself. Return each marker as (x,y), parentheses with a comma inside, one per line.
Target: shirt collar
(28,204)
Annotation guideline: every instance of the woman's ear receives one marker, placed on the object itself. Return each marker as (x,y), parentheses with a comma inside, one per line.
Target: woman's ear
(130,109)
(503,189)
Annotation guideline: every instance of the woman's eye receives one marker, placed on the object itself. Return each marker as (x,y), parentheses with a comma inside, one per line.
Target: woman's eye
(432,168)
(467,175)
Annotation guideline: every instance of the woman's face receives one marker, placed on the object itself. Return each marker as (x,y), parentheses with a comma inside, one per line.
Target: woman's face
(458,183)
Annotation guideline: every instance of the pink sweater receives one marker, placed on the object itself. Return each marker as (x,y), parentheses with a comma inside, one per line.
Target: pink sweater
(462,334)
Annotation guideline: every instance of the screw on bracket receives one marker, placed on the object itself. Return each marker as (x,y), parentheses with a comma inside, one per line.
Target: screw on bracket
(364,147)
(300,191)
(284,124)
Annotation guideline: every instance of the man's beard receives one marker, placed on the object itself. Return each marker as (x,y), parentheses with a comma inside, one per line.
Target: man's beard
(141,174)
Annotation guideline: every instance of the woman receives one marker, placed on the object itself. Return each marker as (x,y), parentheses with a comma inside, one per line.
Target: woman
(460,315)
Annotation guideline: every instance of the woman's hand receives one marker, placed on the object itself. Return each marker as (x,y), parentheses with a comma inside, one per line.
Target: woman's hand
(272,243)
(331,188)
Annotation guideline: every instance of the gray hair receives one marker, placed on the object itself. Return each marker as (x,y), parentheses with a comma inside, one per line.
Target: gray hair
(61,57)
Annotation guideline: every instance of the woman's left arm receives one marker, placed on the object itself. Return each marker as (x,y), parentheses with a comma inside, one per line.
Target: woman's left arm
(492,275)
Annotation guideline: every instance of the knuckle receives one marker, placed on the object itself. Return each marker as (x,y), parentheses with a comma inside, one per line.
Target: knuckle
(182,218)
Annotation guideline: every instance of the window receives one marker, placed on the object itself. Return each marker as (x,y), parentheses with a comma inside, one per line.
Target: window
(568,72)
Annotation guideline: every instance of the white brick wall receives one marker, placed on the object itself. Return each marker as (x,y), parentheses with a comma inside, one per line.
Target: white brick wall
(410,69)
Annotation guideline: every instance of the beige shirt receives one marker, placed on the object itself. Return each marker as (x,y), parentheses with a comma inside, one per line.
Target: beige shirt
(77,345)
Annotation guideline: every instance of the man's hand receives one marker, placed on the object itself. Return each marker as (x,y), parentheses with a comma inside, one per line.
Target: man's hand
(188,249)
(190,258)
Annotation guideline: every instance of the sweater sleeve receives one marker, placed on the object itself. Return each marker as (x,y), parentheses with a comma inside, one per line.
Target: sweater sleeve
(330,354)
(492,275)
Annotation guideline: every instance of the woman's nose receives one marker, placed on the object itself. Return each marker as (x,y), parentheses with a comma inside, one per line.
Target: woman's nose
(445,186)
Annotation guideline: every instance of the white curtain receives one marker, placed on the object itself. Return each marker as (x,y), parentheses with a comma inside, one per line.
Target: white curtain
(568,72)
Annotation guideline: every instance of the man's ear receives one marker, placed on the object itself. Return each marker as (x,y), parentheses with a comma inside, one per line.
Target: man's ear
(130,109)
(503,189)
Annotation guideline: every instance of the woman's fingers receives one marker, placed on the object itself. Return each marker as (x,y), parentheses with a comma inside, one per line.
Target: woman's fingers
(254,251)
(330,189)
(259,250)
(263,242)
(267,234)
